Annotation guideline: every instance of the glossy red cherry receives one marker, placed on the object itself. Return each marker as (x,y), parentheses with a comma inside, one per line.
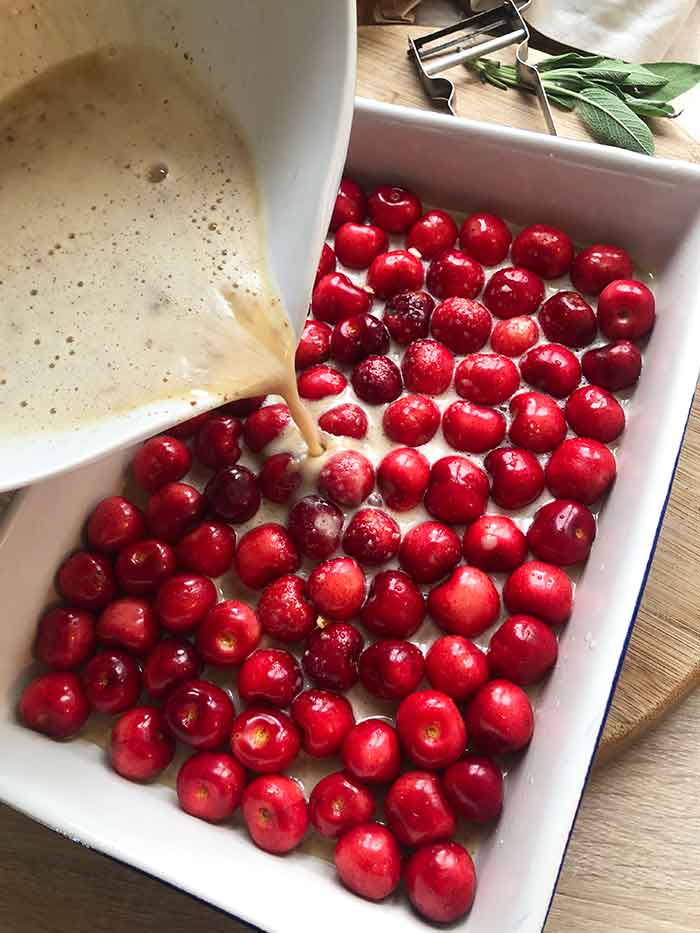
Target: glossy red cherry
(394,272)
(264,425)
(336,297)
(376,380)
(538,423)
(580,468)
(429,551)
(336,588)
(432,234)
(171,662)
(486,238)
(326,263)
(395,607)
(455,666)
(411,420)
(522,650)
(315,526)
(128,623)
(467,603)
(269,675)
(441,881)
(500,718)
(593,412)
(562,532)
(514,336)
(567,318)
(319,382)
(114,523)
(243,407)
(173,510)
(372,537)
(371,752)
(472,428)
(517,478)
(453,274)
(208,549)
(331,655)
(356,245)
(486,378)
(65,638)
(393,209)
(427,367)
(358,337)
(324,719)
(402,478)
(54,704)
(346,478)
(337,803)
(368,861)
(417,810)
(474,788)
(494,543)
(161,460)
(543,249)
(86,580)
(210,786)
(141,747)
(284,610)
(346,420)
(218,441)
(228,633)
(613,367)
(552,368)
(280,477)
(462,324)
(458,490)
(112,682)
(431,729)
(190,427)
(233,493)
(199,714)
(183,600)
(539,589)
(275,813)
(264,740)
(407,316)
(513,292)
(350,204)
(314,344)
(599,265)
(626,310)
(391,668)
(265,553)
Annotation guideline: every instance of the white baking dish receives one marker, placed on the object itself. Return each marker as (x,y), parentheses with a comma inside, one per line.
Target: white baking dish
(650,206)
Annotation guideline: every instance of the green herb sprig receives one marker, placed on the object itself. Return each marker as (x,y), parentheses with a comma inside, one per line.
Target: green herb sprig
(612,98)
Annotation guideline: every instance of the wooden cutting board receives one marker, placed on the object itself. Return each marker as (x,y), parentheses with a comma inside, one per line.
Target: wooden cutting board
(663,661)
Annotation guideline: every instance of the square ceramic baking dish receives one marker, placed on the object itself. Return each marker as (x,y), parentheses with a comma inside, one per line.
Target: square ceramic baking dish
(597,194)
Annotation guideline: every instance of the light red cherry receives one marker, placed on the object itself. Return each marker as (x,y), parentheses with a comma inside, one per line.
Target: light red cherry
(562,532)
(265,425)
(320,381)
(264,740)
(86,580)
(552,368)
(499,718)
(114,523)
(402,478)
(427,367)
(160,460)
(171,662)
(539,589)
(394,209)
(350,204)
(457,491)
(368,861)
(391,668)
(432,234)
(210,786)
(580,468)
(486,378)
(598,265)
(356,245)
(208,549)
(462,324)
(472,428)
(545,250)
(280,477)
(454,274)
(513,292)
(538,423)
(284,610)
(338,803)
(228,633)
(140,745)
(269,675)
(467,603)
(395,607)
(371,752)
(183,601)
(336,588)
(417,810)
(275,813)
(346,478)
(626,310)
(217,441)
(336,297)
(345,420)
(456,666)
(411,420)
(394,272)
(314,345)
(474,788)
(486,238)
(429,551)
(593,412)
(522,650)
(265,553)
(128,623)
(514,336)
(494,543)
(431,729)
(326,263)
(324,719)
(517,478)
(372,537)
(54,704)
(441,881)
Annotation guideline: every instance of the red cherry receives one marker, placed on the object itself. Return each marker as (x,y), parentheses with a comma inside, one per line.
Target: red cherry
(265,553)
(432,234)
(54,704)
(394,272)
(376,380)
(264,425)
(264,740)
(462,324)
(407,316)
(517,478)
(315,526)
(441,881)
(314,344)
(514,336)
(411,420)
(114,523)
(356,245)
(543,249)
(141,746)
(372,537)
(210,786)
(65,639)
(284,611)
(395,607)
(458,490)
(580,468)
(242,407)
(562,532)
(208,549)
(183,601)
(331,655)
(358,337)
(275,813)
(472,428)
(368,861)
(402,478)
(513,292)
(626,310)
(161,460)
(346,420)
(217,442)
(391,669)
(613,367)
(346,478)
(128,623)
(494,543)
(86,580)
(350,204)
(337,297)
(326,263)
(417,810)
(141,567)
(568,318)
(173,661)
(279,477)
(393,209)
(324,719)
(455,666)
(538,422)
(431,729)
(453,274)
(112,682)
(593,412)
(522,650)
(371,752)
(337,588)
(486,378)
(500,718)
(233,493)
(337,803)
(429,551)
(552,368)
(172,510)
(427,367)
(485,238)
(466,603)
(539,589)
(199,714)
(598,266)
(474,788)
(228,633)
(269,675)
(320,381)
(190,427)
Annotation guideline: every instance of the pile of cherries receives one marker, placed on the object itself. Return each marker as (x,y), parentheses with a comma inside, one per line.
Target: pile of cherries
(142,622)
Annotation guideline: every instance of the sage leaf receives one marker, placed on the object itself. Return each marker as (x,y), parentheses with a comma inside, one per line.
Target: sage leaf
(642,79)
(568,60)
(680,77)
(609,120)
(647,107)
(565,103)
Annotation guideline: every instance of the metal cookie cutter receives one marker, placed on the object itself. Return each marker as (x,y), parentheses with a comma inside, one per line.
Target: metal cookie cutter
(470,39)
